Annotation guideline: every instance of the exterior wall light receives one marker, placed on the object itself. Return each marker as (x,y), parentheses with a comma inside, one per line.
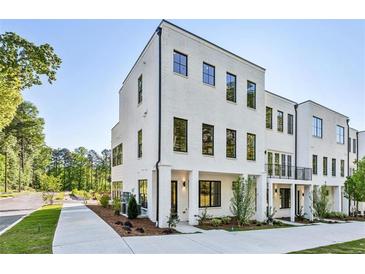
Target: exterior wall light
(184,184)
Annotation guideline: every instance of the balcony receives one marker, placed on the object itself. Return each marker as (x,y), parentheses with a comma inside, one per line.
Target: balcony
(288,172)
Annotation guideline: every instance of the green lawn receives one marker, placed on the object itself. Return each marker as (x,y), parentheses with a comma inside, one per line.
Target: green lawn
(34,234)
(353,247)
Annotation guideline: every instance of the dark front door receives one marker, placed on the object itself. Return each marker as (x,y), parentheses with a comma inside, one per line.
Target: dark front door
(174,197)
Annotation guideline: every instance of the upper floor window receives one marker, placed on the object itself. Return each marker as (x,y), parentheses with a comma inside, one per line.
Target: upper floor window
(180,135)
(140,89)
(117,155)
(315,164)
(340,134)
(251,94)
(317,127)
(269,117)
(354,145)
(142,192)
(180,63)
(280,121)
(251,146)
(230,143)
(349,144)
(208,139)
(333,167)
(342,168)
(208,74)
(325,168)
(290,124)
(209,193)
(140,143)
(231,87)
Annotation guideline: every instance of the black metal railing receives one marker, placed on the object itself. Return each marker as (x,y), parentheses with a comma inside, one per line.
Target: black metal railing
(288,172)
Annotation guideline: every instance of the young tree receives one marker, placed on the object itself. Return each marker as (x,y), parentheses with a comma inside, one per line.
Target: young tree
(49,186)
(242,202)
(355,184)
(320,201)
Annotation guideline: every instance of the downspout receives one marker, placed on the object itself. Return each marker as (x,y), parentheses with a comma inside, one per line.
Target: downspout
(159,30)
(295,151)
(348,159)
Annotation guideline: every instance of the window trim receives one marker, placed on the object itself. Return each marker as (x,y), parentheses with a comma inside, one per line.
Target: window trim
(334,170)
(271,117)
(251,82)
(325,167)
(186,134)
(314,164)
(314,127)
(235,87)
(342,168)
(210,193)
(235,143)
(277,121)
(139,145)
(342,142)
(205,63)
(173,63)
(208,154)
(140,91)
(145,194)
(254,147)
(290,129)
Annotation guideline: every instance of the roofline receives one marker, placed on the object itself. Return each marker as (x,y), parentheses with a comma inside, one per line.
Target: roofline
(318,104)
(211,43)
(282,97)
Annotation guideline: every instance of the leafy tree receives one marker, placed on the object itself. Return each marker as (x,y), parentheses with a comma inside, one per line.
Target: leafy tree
(132,208)
(355,184)
(242,202)
(22,64)
(49,186)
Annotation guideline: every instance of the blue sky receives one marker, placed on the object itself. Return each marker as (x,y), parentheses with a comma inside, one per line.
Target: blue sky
(321,60)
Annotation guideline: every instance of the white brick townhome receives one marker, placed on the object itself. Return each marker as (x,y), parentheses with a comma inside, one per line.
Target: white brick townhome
(193,117)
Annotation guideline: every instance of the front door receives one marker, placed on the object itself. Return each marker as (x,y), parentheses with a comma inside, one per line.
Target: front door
(174,197)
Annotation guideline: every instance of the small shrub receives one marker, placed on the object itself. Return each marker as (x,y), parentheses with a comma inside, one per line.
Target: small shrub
(216,222)
(173,220)
(335,215)
(204,217)
(226,220)
(117,206)
(132,208)
(104,200)
(270,215)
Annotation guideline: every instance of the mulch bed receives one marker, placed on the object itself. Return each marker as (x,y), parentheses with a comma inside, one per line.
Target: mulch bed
(300,220)
(232,226)
(126,227)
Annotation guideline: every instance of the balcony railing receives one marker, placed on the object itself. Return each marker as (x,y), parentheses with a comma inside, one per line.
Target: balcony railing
(288,172)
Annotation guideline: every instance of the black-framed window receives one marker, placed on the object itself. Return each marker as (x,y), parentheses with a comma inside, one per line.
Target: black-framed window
(117,157)
(251,94)
(290,124)
(207,139)
(180,135)
(284,198)
(140,143)
(231,87)
(342,168)
(230,143)
(289,166)
(269,162)
(283,164)
(333,167)
(325,166)
(142,193)
(269,117)
(140,87)
(208,74)
(354,145)
(349,144)
(251,146)
(280,121)
(180,63)
(209,193)
(340,134)
(315,164)
(317,127)
(277,164)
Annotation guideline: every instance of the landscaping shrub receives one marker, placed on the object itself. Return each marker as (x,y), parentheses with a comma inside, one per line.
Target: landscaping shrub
(320,201)
(117,206)
(173,220)
(104,200)
(226,220)
(216,222)
(204,217)
(132,208)
(335,215)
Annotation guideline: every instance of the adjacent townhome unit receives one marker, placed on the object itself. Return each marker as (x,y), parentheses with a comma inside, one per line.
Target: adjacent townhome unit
(193,117)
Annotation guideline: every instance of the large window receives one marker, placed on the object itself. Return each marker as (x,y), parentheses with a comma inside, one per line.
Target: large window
(140,89)
(180,135)
(269,162)
(283,164)
(140,143)
(231,87)
(231,143)
(342,168)
(284,198)
(290,124)
(269,117)
(317,127)
(209,193)
(289,166)
(277,164)
(325,166)
(340,134)
(116,189)
(251,146)
(180,63)
(142,193)
(315,164)
(251,94)
(207,139)
(208,74)
(117,155)
(333,167)
(280,121)
(354,145)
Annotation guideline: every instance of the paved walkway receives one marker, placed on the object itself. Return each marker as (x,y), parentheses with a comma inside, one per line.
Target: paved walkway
(81,231)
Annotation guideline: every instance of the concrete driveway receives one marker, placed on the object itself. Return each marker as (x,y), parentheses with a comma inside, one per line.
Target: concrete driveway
(12,209)
(81,231)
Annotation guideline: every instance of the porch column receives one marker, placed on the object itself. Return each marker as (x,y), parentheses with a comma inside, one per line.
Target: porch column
(164,195)
(261,184)
(193,196)
(337,198)
(292,202)
(308,202)
(270,198)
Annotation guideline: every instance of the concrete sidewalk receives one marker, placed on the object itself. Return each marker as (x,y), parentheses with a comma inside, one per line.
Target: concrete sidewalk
(81,231)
